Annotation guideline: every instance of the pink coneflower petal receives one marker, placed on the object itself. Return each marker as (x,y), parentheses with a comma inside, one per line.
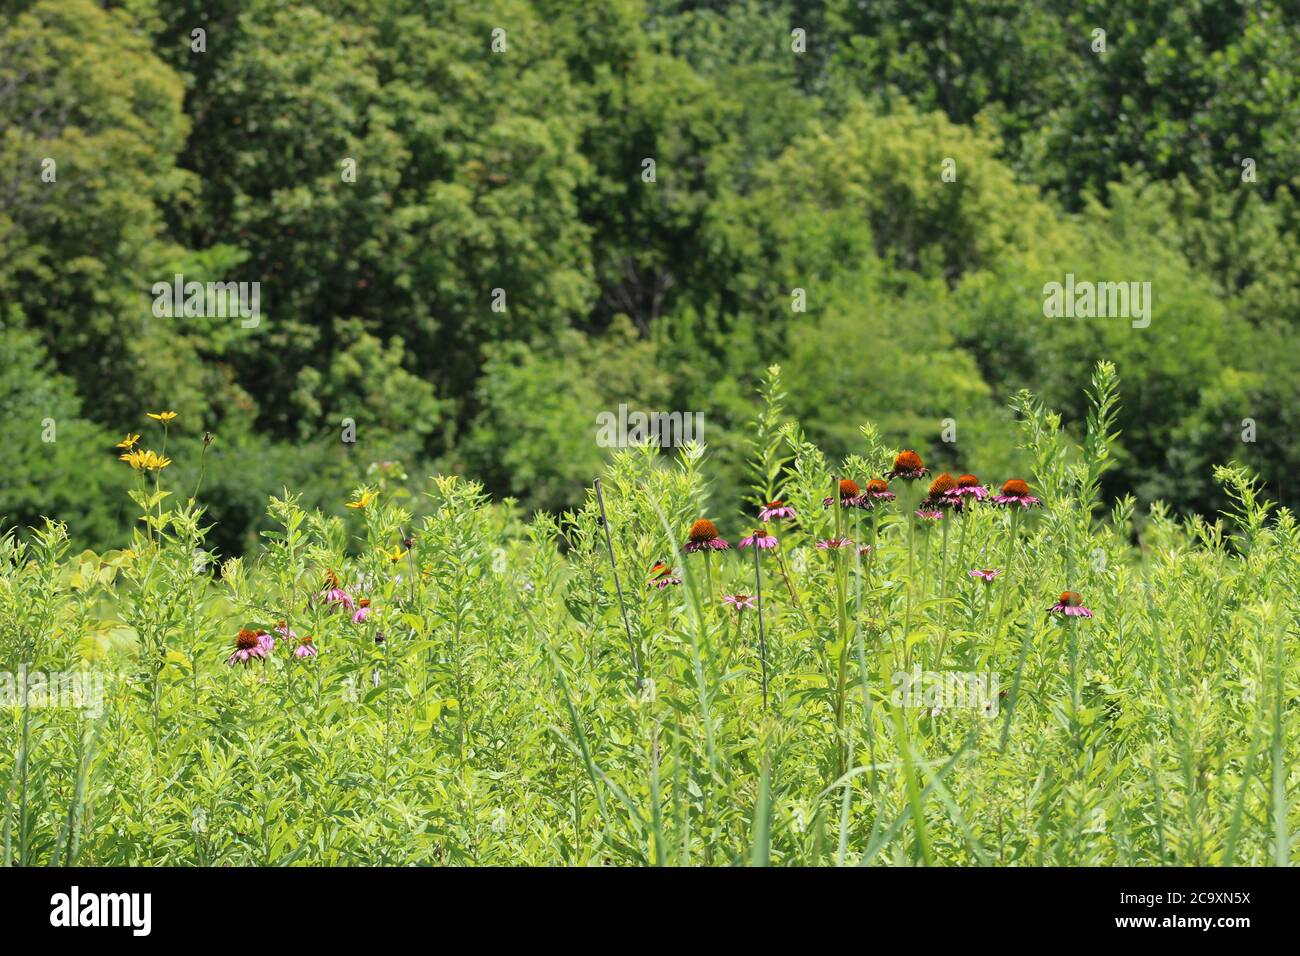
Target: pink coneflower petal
(740,601)
(665,581)
(250,644)
(1016,492)
(929,515)
(363,611)
(337,597)
(717,544)
(878,490)
(1069,610)
(759,539)
(988,574)
(775,511)
(1025,501)
(968,486)
(1070,604)
(833,544)
(857,501)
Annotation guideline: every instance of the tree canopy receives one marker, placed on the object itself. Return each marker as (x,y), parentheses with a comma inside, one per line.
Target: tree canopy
(477,226)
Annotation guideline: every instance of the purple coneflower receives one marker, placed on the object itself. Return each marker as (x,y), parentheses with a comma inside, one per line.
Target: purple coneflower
(937,496)
(662,576)
(833,544)
(850,495)
(363,611)
(1070,604)
(760,538)
(306,647)
(775,510)
(283,630)
(740,601)
(1016,492)
(987,574)
(704,535)
(865,549)
(907,464)
(334,595)
(337,597)
(251,644)
(929,515)
(878,490)
(968,486)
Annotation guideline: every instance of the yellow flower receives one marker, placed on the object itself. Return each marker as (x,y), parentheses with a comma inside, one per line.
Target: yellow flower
(128,442)
(163,417)
(145,460)
(395,555)
(364,500)
(155,462)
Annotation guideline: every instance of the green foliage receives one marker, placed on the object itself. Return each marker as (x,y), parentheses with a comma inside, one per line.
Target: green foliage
(536,434)
(46,439)
(484,709)
(917,174)
(80,87)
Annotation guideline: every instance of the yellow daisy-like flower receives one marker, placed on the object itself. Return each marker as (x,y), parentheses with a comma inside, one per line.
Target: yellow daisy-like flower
(145,460)
(128,442)
(156,462)
(163,417)
(364,500)
(395,555)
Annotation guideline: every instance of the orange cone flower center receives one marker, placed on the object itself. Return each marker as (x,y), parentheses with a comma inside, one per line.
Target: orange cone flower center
(703,530)
(942,483)
(908,461)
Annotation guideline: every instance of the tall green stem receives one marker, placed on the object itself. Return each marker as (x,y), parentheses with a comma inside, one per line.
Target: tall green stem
(943,589)
(1006,583)
(758,602)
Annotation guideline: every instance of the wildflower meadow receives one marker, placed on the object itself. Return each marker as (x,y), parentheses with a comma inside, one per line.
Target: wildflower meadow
(883,660)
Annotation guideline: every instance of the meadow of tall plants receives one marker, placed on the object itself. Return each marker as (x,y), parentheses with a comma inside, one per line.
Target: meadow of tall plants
(880,663)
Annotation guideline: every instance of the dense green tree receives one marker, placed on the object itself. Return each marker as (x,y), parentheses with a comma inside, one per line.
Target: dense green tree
(90,128)
(460,246)
(58,464)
